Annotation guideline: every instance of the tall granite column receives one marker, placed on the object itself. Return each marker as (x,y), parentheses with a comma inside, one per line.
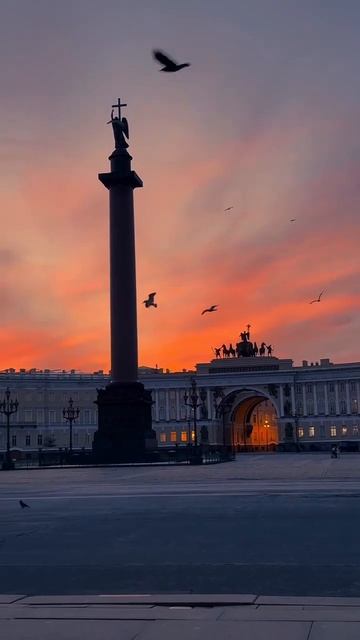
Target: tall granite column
(124,406)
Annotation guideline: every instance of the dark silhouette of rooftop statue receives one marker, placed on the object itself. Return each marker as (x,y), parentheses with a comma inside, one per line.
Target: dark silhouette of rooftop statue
(120,126)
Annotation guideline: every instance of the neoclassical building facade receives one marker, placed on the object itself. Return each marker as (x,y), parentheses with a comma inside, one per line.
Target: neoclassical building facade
(250,402)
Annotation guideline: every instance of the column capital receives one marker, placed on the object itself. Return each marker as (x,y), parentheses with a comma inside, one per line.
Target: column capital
(117,178)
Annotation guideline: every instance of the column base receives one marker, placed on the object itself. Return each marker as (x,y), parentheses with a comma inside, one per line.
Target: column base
(125,431)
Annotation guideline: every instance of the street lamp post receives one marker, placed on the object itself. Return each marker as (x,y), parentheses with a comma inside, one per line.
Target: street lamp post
(191,399)
(7,408)
(267,426)
(71,415)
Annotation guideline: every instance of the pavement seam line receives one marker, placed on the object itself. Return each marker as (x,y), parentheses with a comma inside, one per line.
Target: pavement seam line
(310,630)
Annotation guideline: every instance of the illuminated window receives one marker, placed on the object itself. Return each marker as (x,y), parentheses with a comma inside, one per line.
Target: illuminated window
(184,436)
(354,406)
(193,436)
(28,441)
(162,437)
(333,432)
(311,432)
(173,436)
(300,432)
(355,431)
(344,431)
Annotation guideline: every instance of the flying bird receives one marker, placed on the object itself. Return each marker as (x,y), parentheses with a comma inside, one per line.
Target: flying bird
(170,66)
(317,299)
(292,219)
(210,309)
(23,505)
(228,208)
(150,300)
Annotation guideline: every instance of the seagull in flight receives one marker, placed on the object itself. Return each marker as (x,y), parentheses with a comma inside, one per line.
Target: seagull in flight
(210,309)
(169,65)
(23,505)
(228,208)
(292,219)
(317,299)
(150,300)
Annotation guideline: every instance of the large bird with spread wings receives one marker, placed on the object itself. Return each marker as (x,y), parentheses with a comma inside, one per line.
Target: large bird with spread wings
(150,301)
(210,309)
(169,65)
(318,299)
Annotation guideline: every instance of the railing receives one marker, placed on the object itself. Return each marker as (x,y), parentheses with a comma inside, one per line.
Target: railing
(203,454)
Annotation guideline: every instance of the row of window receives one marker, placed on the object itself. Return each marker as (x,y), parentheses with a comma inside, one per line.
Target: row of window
(29,416)
(334,431)
(320,386)
(46,441)
(182,436)
(331,406)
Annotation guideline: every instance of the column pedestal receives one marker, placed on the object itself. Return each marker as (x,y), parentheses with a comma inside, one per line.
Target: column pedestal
(125,431)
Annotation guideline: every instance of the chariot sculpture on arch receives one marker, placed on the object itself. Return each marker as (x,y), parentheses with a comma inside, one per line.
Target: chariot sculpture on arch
(244,349)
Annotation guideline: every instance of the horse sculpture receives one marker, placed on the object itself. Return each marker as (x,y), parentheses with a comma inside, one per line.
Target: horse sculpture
(225,351)
(262,349)
(232,351)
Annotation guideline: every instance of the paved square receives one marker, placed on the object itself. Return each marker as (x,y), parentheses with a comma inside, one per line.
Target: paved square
(277,524)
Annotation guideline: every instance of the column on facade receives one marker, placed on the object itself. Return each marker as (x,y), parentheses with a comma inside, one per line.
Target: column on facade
(293,402)
(337,409)
(167,405)
(348,403)
(177,395)
(209,406)
(326,399)
(157,405)
(358,396)
(316,413)
(304,399)
(281,400)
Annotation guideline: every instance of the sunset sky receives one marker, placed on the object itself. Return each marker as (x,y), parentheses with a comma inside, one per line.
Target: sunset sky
(266,119)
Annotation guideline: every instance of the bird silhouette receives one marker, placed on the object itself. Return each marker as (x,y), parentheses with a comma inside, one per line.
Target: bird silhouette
(210,309)
(292,219)
(23,505)
(169,66)
(317,299)
(150,300)
(228,208)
